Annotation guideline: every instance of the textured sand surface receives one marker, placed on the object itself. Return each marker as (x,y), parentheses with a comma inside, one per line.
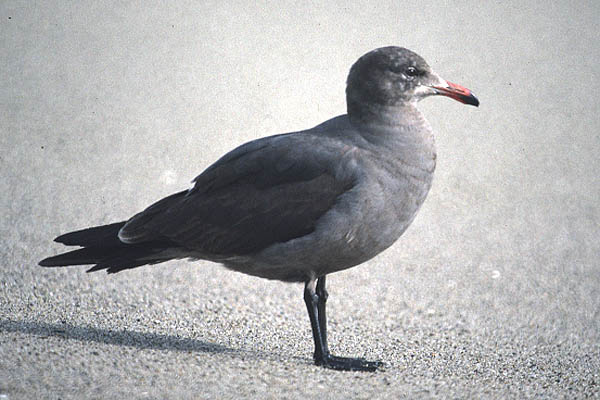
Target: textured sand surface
(493,292)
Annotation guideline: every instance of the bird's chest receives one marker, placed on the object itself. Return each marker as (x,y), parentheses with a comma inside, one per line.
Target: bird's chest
(389,199)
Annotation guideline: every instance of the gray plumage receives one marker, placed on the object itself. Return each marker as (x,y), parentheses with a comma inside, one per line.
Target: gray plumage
(297,206)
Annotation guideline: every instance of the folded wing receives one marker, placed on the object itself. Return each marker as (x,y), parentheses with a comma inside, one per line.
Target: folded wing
(267,191)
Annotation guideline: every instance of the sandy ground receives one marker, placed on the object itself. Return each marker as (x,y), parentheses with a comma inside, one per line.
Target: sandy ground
(494,292)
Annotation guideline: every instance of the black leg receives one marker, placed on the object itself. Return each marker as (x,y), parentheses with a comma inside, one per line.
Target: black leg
(315,297)
(311,300)
(322,296)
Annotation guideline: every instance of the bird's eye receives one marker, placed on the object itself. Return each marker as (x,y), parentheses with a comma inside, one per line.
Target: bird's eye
(411,72)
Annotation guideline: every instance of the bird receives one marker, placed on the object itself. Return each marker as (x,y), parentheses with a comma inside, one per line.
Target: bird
(298,206)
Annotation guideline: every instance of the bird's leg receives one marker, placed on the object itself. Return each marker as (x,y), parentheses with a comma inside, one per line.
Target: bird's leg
(315,297)
(312,299)
(322,296)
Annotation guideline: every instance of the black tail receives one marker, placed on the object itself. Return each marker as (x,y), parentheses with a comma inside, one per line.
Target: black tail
(102,247)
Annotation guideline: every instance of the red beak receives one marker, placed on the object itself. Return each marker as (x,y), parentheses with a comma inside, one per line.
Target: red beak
(458,93)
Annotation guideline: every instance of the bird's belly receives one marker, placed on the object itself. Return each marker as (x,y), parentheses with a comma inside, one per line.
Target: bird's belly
(387,213)
(365,221)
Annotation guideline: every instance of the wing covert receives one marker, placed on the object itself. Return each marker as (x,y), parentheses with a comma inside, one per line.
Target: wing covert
(261,193)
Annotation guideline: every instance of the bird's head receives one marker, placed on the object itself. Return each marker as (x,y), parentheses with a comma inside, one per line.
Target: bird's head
(391,76)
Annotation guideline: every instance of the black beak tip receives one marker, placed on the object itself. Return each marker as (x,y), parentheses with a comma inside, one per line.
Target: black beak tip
(472,100)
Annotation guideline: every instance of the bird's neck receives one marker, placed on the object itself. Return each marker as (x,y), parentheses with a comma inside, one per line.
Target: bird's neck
(403,118)
(399,128)
(400,114)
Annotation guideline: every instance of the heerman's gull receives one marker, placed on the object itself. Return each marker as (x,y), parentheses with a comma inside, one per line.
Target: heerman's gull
(298,206)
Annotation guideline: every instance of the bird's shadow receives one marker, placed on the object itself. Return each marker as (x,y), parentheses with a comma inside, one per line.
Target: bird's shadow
(123,337)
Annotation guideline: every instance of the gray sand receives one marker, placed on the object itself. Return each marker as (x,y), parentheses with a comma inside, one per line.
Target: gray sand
(493,292)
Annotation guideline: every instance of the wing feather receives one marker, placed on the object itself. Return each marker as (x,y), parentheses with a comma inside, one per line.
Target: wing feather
(267,191)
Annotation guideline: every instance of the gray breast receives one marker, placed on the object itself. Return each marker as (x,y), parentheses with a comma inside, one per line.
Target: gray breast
(393,171)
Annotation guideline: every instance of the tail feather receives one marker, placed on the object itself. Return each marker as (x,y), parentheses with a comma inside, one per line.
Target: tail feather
(102,247)
(97,235)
